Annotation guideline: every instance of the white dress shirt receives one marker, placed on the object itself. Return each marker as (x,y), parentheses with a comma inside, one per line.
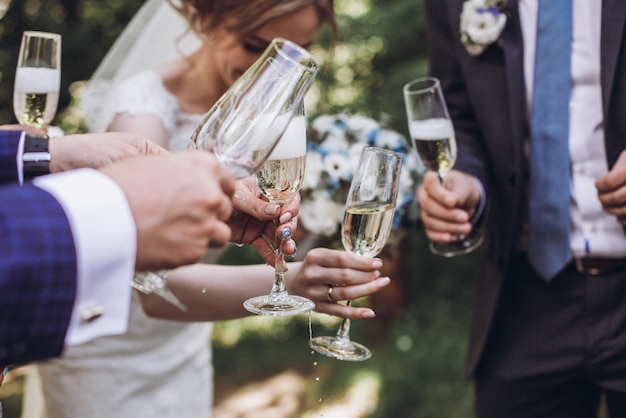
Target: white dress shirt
(105,238)
(593,231)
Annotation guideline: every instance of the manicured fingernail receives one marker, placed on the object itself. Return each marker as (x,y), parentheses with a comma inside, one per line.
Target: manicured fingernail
(285,232)
(377,263)
(285,217)
(271,209)
(369,314)
(384,281)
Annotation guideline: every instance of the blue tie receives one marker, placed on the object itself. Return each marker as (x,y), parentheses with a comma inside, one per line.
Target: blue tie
(549,221)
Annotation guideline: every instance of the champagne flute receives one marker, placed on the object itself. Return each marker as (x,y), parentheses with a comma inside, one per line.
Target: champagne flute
(37,78)
(279,180)
(433,134)
(244,125)
(4,8)
(366,226)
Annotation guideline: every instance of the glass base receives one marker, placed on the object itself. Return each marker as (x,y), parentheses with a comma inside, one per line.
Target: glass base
(340,349)
(279,306)
(466,245)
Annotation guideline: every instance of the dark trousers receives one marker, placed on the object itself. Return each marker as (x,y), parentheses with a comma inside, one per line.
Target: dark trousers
(555,348)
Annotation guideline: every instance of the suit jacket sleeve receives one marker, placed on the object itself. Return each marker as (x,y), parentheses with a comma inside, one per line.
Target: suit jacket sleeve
(9,143)
(37,274)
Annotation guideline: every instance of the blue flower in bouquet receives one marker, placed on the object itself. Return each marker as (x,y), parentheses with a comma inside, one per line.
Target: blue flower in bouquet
(334,144)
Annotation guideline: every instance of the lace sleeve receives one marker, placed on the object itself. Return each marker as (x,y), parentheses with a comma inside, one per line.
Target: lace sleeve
(143,93)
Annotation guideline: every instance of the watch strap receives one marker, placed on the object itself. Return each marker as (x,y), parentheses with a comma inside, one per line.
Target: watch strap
(36,157)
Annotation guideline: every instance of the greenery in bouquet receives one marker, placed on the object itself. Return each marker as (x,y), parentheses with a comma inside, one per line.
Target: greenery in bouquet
(334,144)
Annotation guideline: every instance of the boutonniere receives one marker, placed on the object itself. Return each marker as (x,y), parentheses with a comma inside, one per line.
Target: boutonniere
(482,22)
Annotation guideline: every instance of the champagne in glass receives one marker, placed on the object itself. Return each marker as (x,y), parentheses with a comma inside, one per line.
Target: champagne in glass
(366,226)
(435,143)
(244,125)
(432,132)
(37,78)
(279,180)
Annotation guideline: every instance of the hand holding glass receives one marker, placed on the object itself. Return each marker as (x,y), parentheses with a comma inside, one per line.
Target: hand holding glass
(244,125)
(366,226)
(279,180)
(37,78)
(432,131)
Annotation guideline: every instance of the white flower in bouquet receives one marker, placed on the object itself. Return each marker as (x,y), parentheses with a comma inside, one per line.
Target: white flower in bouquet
(482,22)
(334,144)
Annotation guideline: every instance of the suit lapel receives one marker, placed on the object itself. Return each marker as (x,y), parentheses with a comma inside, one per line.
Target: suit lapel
(613,19)
(514,67)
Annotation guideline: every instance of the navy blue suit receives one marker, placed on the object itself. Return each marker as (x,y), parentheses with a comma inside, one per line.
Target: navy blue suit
(37,266)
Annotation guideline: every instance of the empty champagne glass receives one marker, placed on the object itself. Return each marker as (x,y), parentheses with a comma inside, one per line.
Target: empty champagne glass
(366,226)
(37,78)
(279,180)
(244,125)
(432,131)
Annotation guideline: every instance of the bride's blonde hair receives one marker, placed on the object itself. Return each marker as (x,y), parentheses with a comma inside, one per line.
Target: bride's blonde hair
(245,16)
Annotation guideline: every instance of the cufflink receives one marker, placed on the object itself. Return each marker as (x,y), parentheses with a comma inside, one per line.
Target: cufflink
(36,158)
(91,313)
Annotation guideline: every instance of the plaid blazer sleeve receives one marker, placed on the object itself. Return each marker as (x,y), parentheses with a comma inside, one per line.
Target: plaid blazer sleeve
(9,141)
(38,274)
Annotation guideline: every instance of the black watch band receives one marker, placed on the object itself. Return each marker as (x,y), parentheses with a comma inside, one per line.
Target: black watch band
(36,157)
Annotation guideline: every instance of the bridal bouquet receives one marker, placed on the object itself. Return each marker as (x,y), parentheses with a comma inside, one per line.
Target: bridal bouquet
(334,144)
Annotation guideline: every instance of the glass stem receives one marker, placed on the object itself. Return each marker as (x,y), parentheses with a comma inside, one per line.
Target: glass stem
(343,333)
(278,288)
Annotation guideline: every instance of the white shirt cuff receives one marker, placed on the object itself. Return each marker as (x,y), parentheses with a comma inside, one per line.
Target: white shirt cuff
(106,239)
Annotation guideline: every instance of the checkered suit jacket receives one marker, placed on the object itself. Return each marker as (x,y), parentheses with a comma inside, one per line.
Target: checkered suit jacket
(37,266)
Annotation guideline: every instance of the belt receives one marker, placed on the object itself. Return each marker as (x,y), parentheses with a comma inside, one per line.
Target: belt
(594,266)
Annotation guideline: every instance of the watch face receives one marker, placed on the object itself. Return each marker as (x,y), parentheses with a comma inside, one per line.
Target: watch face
(36,143)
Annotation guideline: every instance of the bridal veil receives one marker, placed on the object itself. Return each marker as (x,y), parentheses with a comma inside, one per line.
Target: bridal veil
(156,34)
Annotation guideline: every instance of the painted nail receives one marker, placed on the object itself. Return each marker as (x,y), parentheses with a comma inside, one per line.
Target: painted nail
(285,232)
(285,217)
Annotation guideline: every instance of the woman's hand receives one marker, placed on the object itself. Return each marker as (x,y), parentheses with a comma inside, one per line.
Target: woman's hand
(328,276)
(255,220)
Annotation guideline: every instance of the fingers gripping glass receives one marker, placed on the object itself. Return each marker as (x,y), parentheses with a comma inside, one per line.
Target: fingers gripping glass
(245,124)
(279,180)
(432,132)
(366,226)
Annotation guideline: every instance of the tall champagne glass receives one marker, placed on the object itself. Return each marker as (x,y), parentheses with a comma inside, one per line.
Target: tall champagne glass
(37,78)
(366,226)
(4,7)
(432,131)
(279,180)
(245,124)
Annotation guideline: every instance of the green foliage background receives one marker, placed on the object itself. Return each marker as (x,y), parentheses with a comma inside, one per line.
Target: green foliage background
(419,356)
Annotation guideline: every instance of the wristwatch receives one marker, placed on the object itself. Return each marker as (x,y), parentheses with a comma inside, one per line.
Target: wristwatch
(36,158)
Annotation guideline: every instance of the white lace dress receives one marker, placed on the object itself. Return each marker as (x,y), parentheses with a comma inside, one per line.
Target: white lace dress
(158,368)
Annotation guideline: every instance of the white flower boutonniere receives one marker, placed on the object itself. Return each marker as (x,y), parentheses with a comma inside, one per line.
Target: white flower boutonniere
(482,22)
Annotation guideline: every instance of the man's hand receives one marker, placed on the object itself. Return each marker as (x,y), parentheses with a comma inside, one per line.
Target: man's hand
(612,190)
(447,208)
(180,203)
(98,149)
